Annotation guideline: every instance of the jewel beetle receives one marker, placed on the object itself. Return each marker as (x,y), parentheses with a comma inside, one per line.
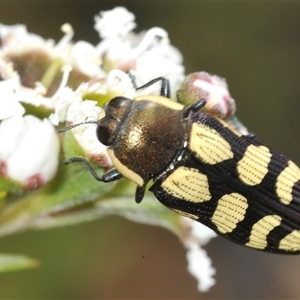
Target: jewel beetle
(202,168)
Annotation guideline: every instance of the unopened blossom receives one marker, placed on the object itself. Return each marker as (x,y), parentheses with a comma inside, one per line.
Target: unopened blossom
(212,88)
(29,149)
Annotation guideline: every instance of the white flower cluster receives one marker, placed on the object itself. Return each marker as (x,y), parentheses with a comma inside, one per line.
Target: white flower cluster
(69,82)
(102,68)
(199,264)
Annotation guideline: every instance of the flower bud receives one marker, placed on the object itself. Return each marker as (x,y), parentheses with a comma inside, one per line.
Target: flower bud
(29,150)
(213,89)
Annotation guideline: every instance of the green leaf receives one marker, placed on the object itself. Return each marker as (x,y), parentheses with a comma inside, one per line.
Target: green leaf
(73,186)
(120,201)
(74,196)
(9,186)
(12,262)
(71,146)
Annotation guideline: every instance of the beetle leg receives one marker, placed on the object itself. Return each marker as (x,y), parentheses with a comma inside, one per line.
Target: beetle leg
(165,89)
(139,193)
(194,107)
(109,176)
(251,135)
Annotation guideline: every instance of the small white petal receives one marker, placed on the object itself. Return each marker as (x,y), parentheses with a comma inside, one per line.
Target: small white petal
(120,83)
(9,104)
(201,232)
(199,265)
(65,98)
(14,108)
(82,111)
(17,39)
(152,38)
(6,69)
(116,22)
(161,61)
(86,59)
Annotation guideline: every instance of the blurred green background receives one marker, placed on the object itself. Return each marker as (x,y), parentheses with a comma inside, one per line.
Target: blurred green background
(256,47)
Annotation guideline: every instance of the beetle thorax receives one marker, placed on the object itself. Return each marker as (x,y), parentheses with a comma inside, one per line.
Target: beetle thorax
(148,139)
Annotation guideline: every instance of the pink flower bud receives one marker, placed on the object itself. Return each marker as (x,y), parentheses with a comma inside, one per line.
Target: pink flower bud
(213,89)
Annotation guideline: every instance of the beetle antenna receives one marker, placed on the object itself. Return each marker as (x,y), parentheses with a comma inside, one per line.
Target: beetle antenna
(75,125)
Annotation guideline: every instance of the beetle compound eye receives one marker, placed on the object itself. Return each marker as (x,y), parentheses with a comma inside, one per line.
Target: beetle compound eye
(118,102)
(118,108)
(103,135)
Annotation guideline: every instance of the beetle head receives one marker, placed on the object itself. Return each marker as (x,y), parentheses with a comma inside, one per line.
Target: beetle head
(111,118)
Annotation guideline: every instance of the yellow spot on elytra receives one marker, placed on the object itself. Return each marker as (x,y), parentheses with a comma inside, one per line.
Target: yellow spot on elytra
(208,145)
(260,231)
(285,182)
(230,211)
(187,184)
(291,242)
(185,214)
(231,128)
(253,166)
